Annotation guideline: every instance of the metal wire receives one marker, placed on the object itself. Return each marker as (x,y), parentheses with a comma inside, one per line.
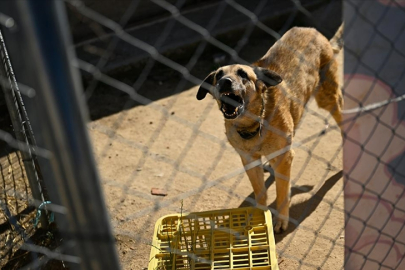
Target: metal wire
(322,248)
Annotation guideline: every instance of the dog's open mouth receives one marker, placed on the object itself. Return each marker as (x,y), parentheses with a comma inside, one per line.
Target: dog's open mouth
(231,105)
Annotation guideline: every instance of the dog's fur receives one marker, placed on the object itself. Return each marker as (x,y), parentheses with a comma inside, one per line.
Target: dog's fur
(263,104)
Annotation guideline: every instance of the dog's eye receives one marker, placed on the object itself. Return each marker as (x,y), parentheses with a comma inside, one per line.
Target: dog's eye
(219,75)
(242,74)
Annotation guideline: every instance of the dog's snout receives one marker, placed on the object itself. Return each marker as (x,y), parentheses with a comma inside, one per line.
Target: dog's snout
(225,85)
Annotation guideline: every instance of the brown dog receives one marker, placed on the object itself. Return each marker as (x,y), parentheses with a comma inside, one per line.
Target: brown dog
(263,104)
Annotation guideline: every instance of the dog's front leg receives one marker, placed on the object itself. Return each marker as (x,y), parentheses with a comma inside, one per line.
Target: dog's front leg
(254,170)
(282,169)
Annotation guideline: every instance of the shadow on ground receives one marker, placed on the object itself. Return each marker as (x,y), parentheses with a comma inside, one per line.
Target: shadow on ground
(298,212)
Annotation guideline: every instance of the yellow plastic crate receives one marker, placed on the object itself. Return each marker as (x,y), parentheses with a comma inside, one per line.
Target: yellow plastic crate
(239,238)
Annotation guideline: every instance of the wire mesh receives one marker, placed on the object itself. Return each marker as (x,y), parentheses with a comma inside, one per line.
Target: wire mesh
(374,132)
(22,188)
(142,64)
(158,136)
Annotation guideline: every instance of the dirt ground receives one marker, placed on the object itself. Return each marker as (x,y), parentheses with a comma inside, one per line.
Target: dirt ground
(178,143)
(15,195)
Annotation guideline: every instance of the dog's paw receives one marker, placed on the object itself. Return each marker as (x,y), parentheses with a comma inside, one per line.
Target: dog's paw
(280,225)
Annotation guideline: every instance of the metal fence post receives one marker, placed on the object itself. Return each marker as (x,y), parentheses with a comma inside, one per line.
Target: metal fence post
(44,44)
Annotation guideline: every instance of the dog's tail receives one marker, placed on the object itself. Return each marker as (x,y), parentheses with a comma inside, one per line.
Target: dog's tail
(337,40)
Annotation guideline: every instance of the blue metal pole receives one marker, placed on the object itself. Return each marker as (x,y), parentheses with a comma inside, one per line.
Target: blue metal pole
(43,44)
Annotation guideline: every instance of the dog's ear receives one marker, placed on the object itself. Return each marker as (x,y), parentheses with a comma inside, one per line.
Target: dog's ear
(267,76)
(203,90)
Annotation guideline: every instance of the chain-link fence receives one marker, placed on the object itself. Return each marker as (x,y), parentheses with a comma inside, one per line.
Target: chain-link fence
(21,180)
(160,151)
(374,134)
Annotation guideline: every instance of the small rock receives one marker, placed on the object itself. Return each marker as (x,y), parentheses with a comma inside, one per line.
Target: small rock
(158,192)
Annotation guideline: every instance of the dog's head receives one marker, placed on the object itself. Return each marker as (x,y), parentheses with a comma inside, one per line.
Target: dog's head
(236,86)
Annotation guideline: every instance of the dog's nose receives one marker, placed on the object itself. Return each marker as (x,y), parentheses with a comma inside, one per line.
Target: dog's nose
(225,85)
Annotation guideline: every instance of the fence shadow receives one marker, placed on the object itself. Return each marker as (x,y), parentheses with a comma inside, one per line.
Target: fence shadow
(302,210)
(50,238)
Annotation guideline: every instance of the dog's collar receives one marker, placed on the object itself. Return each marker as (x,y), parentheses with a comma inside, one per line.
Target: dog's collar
(249,135)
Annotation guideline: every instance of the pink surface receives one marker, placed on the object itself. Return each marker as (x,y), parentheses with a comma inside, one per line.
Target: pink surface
(374,201)
(392,2)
